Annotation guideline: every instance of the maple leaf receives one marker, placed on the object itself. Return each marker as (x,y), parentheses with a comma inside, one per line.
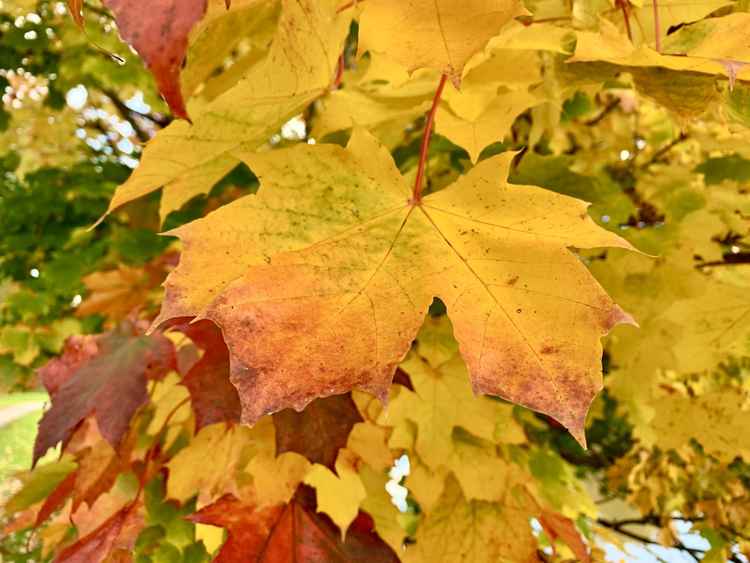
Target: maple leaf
(117,293)
(319,431)
(110,384)
(56,499)
(276,478)
(491,125)
(716,420)
(712,325)
(161,38)
(213,396)
(242,35)
(99,464)
(438,34)
(290,532)
(527,314)
(441,401)
(188,160)
(339,494)
(112,540)
(466,531)
(558,526)
(671,13)
(228,446)
(76,351)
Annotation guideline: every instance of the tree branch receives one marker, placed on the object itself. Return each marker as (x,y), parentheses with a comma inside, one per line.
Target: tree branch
(665,149)
(617,526)
(609,108)
(654,520)
(727,260)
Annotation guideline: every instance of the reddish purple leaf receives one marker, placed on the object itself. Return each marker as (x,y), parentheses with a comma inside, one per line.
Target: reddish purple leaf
(214,397)
(115,535)
(56,499)
(159,31)
(319,431)
(110,384)
(291,532)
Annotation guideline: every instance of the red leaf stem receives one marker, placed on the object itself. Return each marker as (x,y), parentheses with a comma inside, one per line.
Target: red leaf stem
(417,193)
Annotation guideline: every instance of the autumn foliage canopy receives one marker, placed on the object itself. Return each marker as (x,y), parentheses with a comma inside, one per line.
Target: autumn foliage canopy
(443,280)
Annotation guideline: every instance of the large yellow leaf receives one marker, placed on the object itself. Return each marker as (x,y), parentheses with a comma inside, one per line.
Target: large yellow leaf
(437,34)
(188,160)
(325,288)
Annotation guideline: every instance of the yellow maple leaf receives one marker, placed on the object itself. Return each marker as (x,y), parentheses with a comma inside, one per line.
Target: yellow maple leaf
(436,34)
(712,325)
(464,531)
(717,420)
(442,401)
(276,478)
(477,132)
(228,447)
(240,35)
(335,232)
(187,160)
(338,494)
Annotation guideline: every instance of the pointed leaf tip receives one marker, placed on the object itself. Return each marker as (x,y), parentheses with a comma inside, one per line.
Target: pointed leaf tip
(161,39)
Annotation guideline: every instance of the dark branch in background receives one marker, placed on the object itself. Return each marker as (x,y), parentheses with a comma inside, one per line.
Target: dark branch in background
(657,156)
(103,128)
(654,520)
(156,118)
(729,259)
(133,117)
(618,527)
(609,108)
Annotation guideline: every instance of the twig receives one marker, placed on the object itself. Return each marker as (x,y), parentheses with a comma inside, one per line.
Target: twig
(727,260)
(665,149)
(655,520)
(609,108)
(129,114)
(618,527)
(348,5)
(417,193)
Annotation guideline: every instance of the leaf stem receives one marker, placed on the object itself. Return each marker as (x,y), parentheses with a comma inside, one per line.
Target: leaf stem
(657,26)
(624,8)
(419,181)
(347,5)
(339,73)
